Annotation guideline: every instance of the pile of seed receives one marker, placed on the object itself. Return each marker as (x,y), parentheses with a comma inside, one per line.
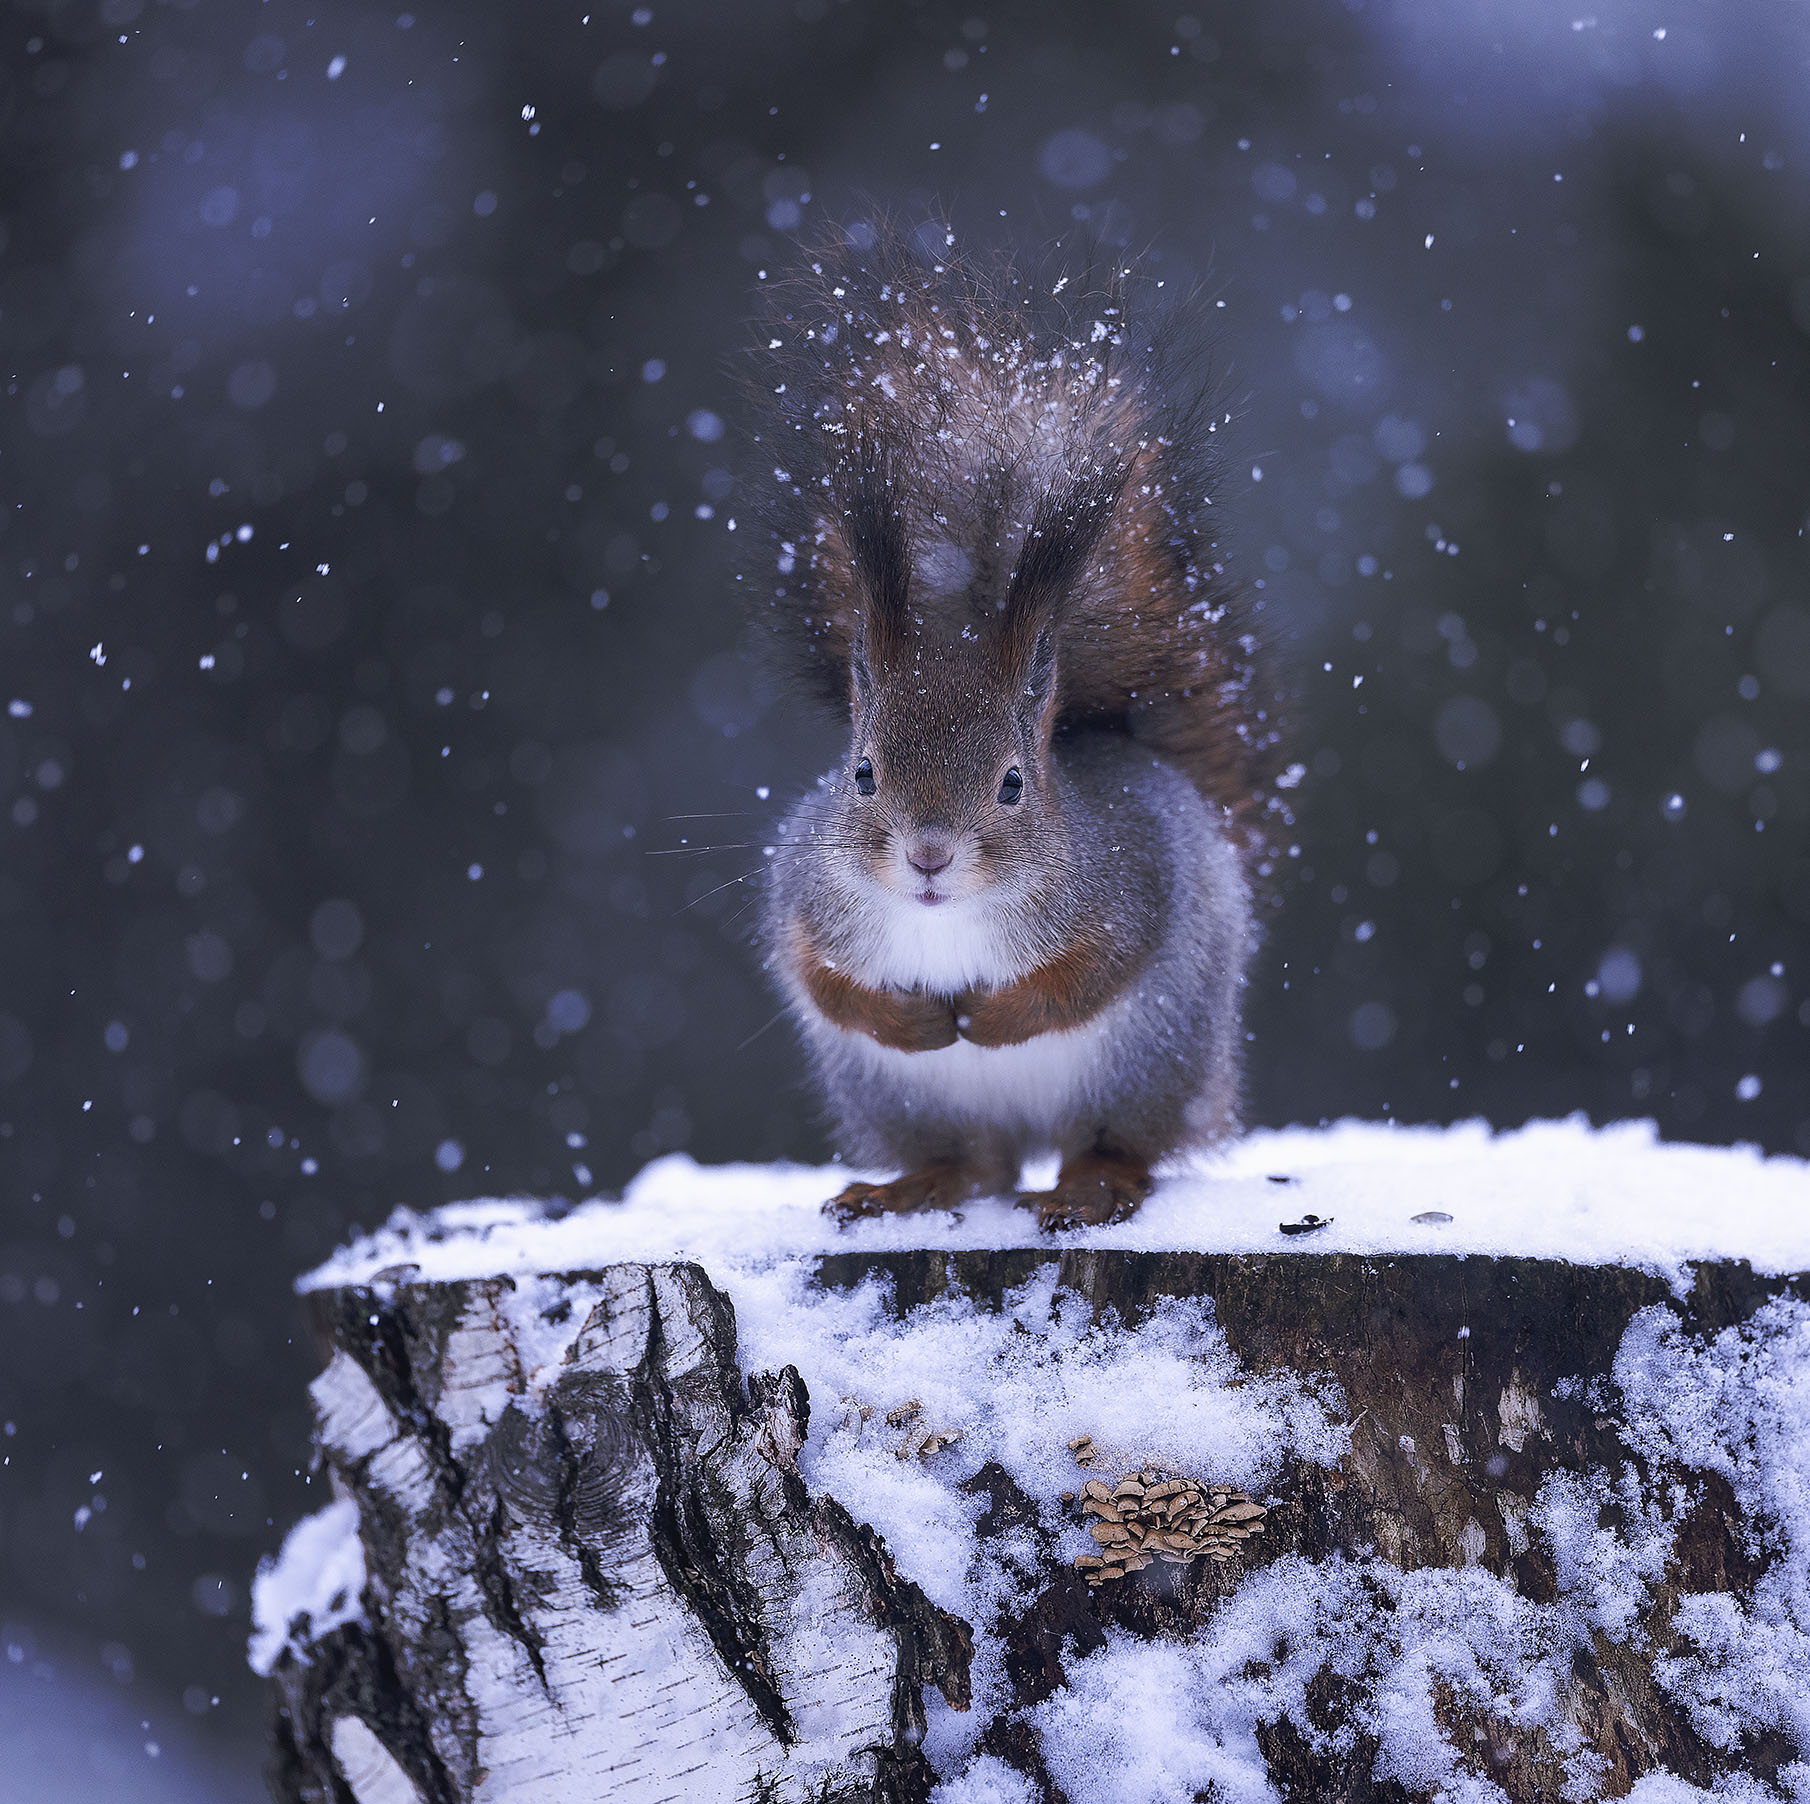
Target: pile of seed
(1149,1515)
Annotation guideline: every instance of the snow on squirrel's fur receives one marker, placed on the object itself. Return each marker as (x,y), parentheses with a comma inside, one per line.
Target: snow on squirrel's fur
(1142,1722)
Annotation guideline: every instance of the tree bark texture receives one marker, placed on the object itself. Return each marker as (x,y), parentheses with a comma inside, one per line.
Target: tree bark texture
(625,1594)
(595,1572)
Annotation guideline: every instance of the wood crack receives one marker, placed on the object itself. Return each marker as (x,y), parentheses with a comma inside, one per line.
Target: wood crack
(685,1541)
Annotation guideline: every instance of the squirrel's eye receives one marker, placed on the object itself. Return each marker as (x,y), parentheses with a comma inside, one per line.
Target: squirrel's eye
(1012,787)
(864,777)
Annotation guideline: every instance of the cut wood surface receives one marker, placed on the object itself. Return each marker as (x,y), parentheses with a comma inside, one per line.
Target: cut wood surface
(1506,1505)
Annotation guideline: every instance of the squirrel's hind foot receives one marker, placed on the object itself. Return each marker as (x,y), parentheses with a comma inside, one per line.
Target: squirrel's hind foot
(1092,1190)
(945,1185)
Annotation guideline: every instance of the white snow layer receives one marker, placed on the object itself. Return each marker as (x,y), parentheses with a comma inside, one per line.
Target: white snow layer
(1553,1189)
(312,1586)
(1012,1386)
(1143,1722)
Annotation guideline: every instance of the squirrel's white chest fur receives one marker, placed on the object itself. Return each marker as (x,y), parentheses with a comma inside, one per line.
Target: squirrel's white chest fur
(1033,1089)
(957,945)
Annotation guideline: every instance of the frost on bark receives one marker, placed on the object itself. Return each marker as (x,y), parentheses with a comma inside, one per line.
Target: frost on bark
(594,1571)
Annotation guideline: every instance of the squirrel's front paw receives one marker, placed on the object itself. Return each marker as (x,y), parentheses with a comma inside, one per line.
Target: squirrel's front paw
(916,1022)
(1005,1017)
(1091,1192)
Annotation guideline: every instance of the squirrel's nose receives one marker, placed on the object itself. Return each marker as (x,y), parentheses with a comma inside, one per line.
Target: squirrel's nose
(928,857)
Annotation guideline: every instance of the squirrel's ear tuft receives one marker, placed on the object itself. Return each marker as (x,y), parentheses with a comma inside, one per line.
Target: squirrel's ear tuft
(879,552)
(1067,524)
(1066,527)
(860,668)
(1037,681)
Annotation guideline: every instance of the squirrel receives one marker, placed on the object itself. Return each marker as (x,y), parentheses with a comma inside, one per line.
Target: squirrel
(1018,914)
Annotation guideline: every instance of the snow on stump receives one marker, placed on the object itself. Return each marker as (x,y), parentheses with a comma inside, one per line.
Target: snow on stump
(689,1496)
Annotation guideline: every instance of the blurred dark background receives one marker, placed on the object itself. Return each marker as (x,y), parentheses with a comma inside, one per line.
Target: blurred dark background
(384,758)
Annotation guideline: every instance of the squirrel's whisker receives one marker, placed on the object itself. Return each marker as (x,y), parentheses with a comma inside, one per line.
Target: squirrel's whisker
(777,1016)
(718,889)
(744,845)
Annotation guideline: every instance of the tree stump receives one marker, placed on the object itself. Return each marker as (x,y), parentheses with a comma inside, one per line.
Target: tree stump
(1538,1531)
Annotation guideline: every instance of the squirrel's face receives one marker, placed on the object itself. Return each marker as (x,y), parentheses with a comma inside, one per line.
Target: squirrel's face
(947,790)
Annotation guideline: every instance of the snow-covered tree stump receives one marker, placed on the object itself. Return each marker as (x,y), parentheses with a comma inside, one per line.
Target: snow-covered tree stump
(1530,1529)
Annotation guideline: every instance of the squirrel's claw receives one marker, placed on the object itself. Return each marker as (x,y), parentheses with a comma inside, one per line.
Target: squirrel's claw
(1090,1193)
(1056,1211)
(855,1203)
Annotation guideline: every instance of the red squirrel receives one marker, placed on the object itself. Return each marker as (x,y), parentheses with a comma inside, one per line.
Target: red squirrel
(1017,916)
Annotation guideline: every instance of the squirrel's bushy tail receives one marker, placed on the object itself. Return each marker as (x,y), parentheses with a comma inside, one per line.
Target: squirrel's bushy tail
(996,451)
